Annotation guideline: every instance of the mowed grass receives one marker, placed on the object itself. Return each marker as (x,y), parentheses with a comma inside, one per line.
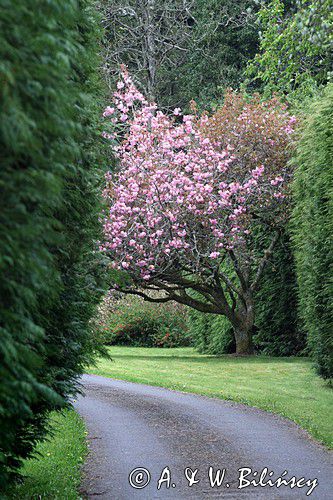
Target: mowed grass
(287,386)
(55,474)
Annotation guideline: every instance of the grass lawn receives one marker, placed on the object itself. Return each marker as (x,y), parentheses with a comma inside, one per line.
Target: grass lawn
(287,386)
(56,473)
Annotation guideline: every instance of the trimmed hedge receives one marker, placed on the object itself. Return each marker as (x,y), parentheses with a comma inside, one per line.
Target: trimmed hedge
(313,230)
(48,213)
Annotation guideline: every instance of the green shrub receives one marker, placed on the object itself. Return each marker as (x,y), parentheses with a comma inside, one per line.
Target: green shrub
(48,213)
(313,230)
(132,321)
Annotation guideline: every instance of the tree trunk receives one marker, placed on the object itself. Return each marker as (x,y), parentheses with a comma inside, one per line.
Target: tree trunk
(151,51)
(243,339)
(244,324)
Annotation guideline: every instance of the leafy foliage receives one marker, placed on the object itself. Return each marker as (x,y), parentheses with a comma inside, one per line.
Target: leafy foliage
(256,131)
(48,216)
(132,321)
(313,229)
(295,48)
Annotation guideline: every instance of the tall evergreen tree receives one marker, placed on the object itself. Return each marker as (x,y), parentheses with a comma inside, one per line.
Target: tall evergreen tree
(278,330)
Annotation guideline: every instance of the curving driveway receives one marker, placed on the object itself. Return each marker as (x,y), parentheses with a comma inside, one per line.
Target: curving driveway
(133,426)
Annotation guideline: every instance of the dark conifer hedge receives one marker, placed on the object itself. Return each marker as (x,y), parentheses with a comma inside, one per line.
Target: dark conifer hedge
(313,230)
(278,330)
(49,170)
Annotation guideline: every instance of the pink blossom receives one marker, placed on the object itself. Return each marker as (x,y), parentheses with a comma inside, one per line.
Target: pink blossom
(257,172)
(108,136)
(277,180)
(177,198)
(108,111)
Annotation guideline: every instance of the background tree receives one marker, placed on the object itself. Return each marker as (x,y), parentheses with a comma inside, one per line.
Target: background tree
(223,38)
(313,229)
(179,50)
(49,213)
(181,217)
(296,45)
(145,35)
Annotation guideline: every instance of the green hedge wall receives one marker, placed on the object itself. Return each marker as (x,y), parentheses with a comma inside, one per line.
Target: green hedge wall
(278,330)
(48,212)
(313,230)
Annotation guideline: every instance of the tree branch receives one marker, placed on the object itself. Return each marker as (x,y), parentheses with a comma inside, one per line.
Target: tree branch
(182,297)
(238,270)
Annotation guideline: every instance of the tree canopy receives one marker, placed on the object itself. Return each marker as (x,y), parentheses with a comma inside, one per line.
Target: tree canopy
(184,201)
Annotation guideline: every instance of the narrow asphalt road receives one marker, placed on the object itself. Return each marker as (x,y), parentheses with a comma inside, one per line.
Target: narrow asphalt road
(135,426)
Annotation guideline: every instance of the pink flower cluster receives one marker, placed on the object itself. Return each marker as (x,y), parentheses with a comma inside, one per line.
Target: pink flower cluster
(175,201)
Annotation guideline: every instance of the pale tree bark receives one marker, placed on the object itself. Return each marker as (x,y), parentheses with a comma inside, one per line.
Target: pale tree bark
(149,40)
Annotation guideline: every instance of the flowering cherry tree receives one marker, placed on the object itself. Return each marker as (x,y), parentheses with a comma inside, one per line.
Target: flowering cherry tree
(184,203)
